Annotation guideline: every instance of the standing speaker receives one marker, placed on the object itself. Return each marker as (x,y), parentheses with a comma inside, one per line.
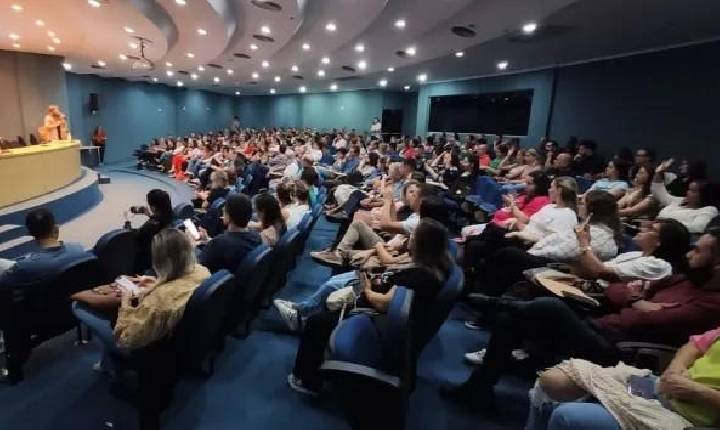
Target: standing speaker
(392,121)
(94,102)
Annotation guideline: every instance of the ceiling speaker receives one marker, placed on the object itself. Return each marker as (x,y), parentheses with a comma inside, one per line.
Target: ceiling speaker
(263,38)
(462,31)
(267,5)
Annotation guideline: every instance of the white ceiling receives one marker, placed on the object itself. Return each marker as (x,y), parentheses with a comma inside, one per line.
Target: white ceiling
(568,31)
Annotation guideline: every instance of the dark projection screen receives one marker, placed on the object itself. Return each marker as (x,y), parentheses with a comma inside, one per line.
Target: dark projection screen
(505,113)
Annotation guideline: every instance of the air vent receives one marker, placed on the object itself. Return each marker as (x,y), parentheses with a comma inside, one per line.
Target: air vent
(348,78)
(252,82)
(95,66)
(215,66)
(348,68)
(542,33)
(263,38)
(463,31)
(267,5)
(401,54)
(298,77)
(183,72)
(241,55)
(146,76)
(133,57)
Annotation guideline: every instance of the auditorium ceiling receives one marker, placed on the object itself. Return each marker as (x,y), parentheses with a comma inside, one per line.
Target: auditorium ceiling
(290,46)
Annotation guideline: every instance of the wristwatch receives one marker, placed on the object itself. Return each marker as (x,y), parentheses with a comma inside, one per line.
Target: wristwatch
(585,249)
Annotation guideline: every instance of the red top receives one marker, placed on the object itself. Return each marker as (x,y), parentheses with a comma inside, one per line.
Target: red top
(697,311)
(529,208)
(410,153)
(484,160)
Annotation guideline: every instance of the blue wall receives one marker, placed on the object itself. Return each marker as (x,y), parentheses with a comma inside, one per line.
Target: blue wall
(132,113)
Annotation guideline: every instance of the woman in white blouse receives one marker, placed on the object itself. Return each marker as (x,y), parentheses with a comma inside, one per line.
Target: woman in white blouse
(695,210)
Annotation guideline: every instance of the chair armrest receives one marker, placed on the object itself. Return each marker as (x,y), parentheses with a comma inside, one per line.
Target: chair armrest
(363,311)
(361,370)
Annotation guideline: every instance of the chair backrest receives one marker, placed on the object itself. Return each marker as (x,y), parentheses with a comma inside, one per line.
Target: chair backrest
(439,311)
(583,184)
(201,330)
(304,224)
(116,251)
(212,220)
(284,256)
(183,211)
(250,278)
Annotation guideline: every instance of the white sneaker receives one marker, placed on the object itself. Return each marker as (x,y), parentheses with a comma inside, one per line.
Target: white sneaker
(296,384)
(288,314)
(287,303)
(476,358)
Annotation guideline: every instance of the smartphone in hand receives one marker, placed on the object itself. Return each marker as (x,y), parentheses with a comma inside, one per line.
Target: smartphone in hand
(125,284)
(190,228)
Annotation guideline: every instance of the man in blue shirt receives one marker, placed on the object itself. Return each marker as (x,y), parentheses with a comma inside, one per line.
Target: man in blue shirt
(51,256)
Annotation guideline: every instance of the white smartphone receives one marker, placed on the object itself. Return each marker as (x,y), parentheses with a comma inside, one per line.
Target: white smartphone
(190,228)
(127,285)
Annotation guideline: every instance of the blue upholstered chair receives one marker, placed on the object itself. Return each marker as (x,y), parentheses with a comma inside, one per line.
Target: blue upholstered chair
(283,260)
(212,220)
(183,211)
(117,252)
(250,279)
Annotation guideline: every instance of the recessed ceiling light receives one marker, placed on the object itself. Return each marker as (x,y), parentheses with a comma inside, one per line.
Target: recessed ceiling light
(294,68)
(193,76)
(333,87)
(277,78)
(168,64)
(529,28)
(383,82)
(14,36)
(422,77)
(50,33)
(359,47)
(201,32)
(16,8)
(190,55)
(305,46)
(155,79)
(390,69)
(181,2)
(56,40)
(406,88)
(94,3)
(502,65)
(400,23)
(16,45)
(230,72)
(459,54)
(362,64)
(123,57)
(265,64)
(410,50)
(253,47)
(302,89)
(330,26)
(101,63)
(321,73)
(179,83)
(133,45)
(325,60)
(201,68)
(128,29)
(272,90)
(216,79)
(67,66)
(265,29)
(39,22)
(255,75)
(237,93)
(170,73)
(51,48)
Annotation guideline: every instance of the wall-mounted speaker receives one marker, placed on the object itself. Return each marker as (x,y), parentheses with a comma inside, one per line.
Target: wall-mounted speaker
(94,102)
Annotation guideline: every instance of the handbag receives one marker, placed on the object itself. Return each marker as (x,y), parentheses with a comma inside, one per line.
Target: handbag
(341,298)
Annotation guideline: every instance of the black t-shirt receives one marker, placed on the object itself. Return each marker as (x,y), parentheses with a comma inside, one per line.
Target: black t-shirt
(216,193)
(592,164)
(228,250)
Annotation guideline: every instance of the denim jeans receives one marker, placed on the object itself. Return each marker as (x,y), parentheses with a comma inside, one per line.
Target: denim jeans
(546,414)
(316,302)
(102,331)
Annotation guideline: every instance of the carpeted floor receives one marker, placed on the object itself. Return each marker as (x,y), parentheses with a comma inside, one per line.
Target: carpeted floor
(248,389)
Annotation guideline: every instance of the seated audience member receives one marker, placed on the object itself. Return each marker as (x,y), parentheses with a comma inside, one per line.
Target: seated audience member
(562,166)
(687,394)
(228,250)
(300,205)
(218,189)
(431,267)
(667,311)
(643,157)
(284,192)
(690,171)
(695,210)
(638,201)
(311,179)
(531,162)
(505,267)
(615,180)
(272,225)
(663,245)
(49,256)
(362,235)
(587,162)
(159,211)
(160,305)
